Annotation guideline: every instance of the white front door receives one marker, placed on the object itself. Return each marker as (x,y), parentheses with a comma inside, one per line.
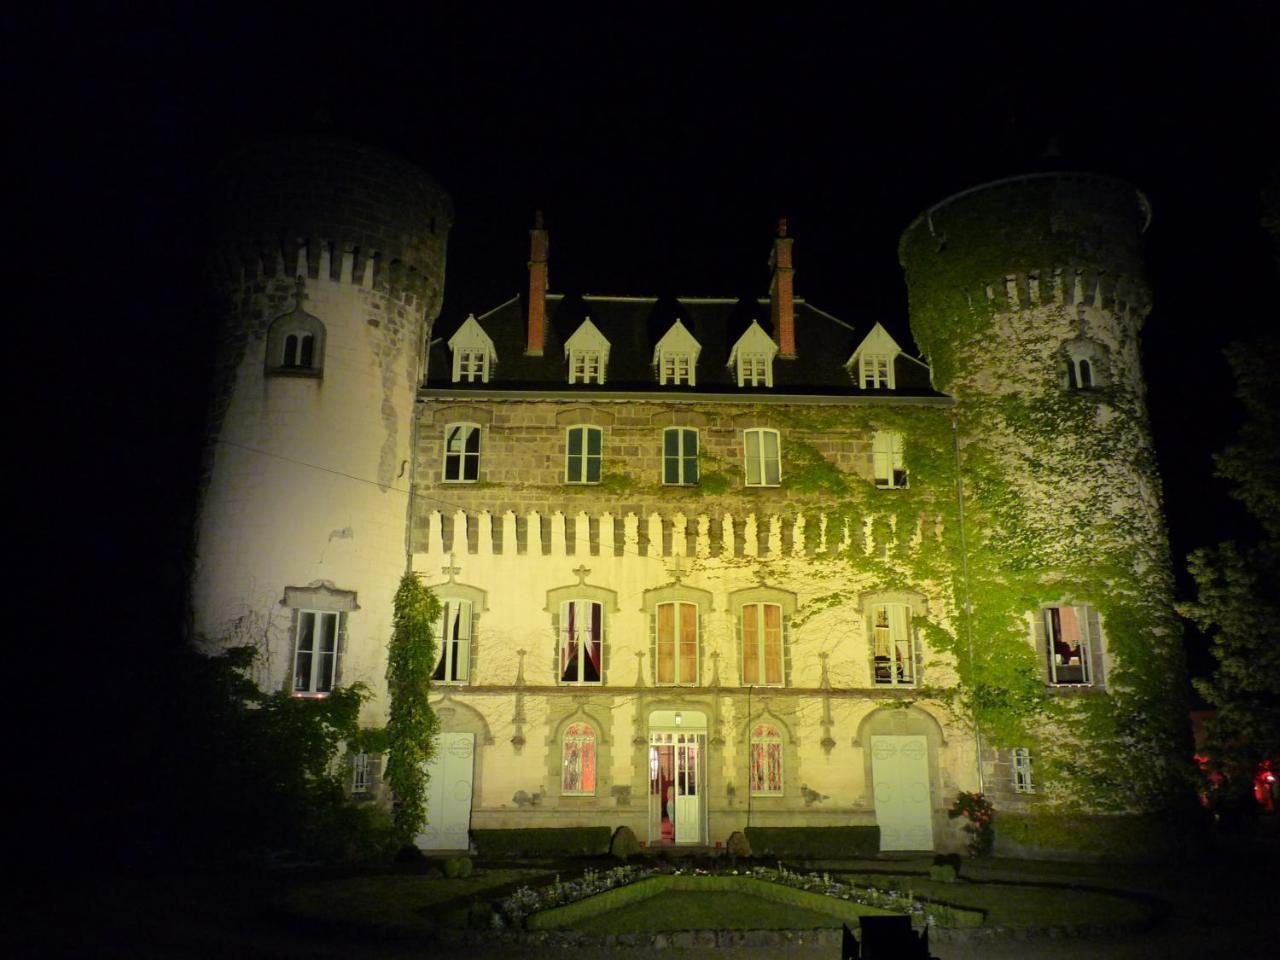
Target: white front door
(689,791)
(449,794)
(900,781)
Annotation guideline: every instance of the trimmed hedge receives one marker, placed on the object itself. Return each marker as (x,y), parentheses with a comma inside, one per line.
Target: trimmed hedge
(542,842)
(814,843)
(1124,838)
(651,886)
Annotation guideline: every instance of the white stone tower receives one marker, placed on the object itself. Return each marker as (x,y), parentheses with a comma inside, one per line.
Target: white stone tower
(329,271)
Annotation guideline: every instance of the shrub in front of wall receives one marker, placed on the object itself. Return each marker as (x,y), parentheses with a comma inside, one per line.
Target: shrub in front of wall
(944,873)
(542,842)
(451,868)
(814,843)
(738,845)
(624,844)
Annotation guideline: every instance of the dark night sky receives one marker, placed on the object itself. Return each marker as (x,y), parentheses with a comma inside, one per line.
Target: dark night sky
(662,146)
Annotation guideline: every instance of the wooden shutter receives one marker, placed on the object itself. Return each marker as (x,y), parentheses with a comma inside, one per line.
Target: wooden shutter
(1097,668)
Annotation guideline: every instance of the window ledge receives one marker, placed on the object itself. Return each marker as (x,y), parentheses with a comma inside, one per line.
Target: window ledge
(295,373)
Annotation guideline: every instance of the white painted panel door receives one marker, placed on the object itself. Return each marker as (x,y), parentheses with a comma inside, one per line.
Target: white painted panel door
(449,794)
(900,780)
(688,824)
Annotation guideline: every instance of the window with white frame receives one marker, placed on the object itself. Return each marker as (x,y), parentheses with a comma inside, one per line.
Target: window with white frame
(1066,632)
(454,641)
(762,457)
(755,371)
(680,456)
(761,644)
(1022,782)
(888,465)
(766,760)
(582,456)
(875,371)
(676,369)
(462,453)
(581,641)
(892,645)
(315,658)
(470,366)
(361,773)
(578,752)
(677,643)
(586,366)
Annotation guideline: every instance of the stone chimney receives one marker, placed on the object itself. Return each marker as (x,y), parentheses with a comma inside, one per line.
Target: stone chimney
(539,245)
(782,306)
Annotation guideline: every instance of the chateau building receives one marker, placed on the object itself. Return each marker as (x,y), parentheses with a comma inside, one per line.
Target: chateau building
(703,562)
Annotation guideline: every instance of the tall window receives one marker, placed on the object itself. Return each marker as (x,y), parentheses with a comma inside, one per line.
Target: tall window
(875,371)
(582,454)
(315,659)
(1066,634)
(887,462)
(766,760)
(472,365)
(761,643)
(1022,782)
(892,645)
(1080,373)
(579,752)
(455,641)
(581,641)
(763,464)
(462,453)
(677,643)
(680,456)
(586,366)
(361,773)
(299,351)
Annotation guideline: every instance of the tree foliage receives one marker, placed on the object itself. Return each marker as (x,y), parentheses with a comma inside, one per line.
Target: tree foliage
(1236,602)
(412,727)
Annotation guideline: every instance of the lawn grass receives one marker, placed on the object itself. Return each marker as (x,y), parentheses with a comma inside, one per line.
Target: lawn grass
(1018,905)
(397,904)
(703,910)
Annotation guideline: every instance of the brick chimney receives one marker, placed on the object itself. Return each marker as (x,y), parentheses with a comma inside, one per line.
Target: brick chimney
(539,245)
(782,306)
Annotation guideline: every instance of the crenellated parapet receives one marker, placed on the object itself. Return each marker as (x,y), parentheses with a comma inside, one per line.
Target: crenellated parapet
(748,536)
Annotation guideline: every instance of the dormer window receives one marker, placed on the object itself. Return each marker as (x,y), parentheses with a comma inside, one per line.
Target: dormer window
(588,354)
(875,372)
(473,352)
(676,357)
(753,356)
(875,359)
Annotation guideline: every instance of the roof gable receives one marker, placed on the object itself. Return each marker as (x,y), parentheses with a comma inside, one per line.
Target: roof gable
(586,337)
(471,336)
(876,341)
(678,340)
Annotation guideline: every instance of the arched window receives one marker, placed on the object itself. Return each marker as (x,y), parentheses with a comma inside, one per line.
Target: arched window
(581,641)
(578,749)
(1086,363)
(299,351)
(766,760)
(295,345)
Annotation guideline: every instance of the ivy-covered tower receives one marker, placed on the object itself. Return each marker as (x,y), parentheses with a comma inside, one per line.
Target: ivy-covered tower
(328,274)
(1027,296)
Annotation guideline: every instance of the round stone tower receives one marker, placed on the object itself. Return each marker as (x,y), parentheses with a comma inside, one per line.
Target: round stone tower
(328,273)
(1027,296)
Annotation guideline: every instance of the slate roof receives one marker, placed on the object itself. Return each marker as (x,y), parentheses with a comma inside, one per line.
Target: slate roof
(633,325)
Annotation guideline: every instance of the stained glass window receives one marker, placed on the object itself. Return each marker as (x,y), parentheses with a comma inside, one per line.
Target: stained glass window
(579,760)
(766,760)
